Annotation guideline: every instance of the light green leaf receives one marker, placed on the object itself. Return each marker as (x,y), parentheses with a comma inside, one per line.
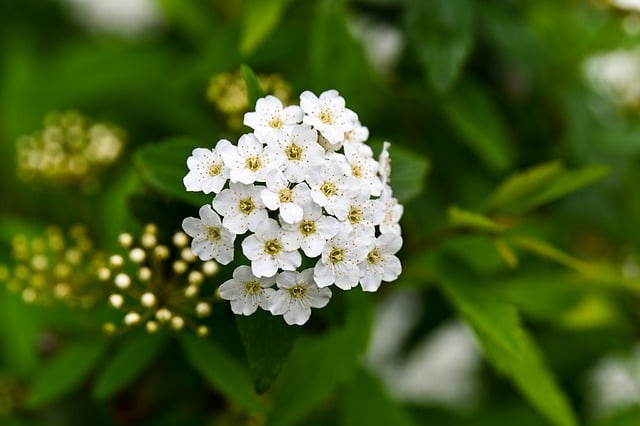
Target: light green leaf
(471,220)
(64,373)
(477,119)
(367,403)
(224,373)
(259,332)
(506,344)
(254,90)
(259,19)
(318,365)
(134,355)
(442,32)
(163,165)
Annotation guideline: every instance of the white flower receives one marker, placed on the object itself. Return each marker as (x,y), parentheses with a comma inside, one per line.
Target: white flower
(385,163)
(361,215)
(297,149)
(248,162)
(339,262)
(331,184)
(354,139)
(290,201)
(241,207)
(246,291)
(297,293)
(311,233)
(380,263)
(328,114)
(392,212)
(210,239)
(207,172)
(266,252)
(270,115)
(364,168)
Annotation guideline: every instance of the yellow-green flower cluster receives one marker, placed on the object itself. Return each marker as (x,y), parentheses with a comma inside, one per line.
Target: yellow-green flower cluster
(228,92)
(70,148)
(55,267)
(158,285)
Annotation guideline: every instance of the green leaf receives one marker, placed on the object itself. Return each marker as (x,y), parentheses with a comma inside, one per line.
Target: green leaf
(460,218)
(20,325)
(64,373)
(541,184)
(224,373)
(163,165)
(318,365)
(259,332)
(134,355)
(442,33)
(259,19)
(506,344)
(476,117)
(367,403)
(254,90)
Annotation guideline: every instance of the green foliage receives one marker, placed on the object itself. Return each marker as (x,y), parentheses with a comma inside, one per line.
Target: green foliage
(259,20)
(254,90)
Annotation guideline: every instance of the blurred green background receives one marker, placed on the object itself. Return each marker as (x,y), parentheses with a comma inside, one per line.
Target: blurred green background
(515,133)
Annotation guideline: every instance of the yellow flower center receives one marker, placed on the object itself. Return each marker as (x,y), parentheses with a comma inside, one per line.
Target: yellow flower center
(276,123)
(286,196)
(252,287)
(253,163)
(354,215)
(336,255)
(215,169)
(307,227)
(294,152)
(272,247)
(326,116)
(356,170)
(213,233)
(297,292)
(374,256)
(246,206)
(329,189)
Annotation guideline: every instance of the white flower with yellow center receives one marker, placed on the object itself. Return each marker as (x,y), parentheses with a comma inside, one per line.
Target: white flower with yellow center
(248,162)
(211,240)
(311,233)
(241,207)
(361,215)
(207,172)
(297,149)
(270,115)
(354,139)
(364,168)
(331,185)
(392,212)
(327,114)
(339,261)
(279,195)
(381,264)
(297,293)
(266,251)
(246,292)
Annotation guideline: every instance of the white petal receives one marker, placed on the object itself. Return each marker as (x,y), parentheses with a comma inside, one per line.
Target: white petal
(264,267)
(291,213)
(323,275)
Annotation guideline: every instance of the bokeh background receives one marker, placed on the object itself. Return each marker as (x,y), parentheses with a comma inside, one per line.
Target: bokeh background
(519,302)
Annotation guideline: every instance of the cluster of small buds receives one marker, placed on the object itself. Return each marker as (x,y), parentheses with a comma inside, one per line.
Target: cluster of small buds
(69,148)
(158,285)
(303,181)
(228,92)
(55,267)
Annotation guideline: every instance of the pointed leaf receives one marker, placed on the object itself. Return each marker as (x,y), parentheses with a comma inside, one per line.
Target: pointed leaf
(64,373)
(224,373)
(134,355)
(471,220)
(163,165)
(254,90)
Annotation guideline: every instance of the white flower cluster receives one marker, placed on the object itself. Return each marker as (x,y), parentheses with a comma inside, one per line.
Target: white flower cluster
(302,189)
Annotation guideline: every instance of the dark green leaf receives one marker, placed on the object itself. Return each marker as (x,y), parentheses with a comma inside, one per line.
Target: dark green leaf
(318,365)
(441,31)
(163,165)
(224,373)
(259,19)
(477,119)
(134,355)
(367,403)
(64,373)
(19,328)
(505,343)
(254,90)
(268,341)
(472,220)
